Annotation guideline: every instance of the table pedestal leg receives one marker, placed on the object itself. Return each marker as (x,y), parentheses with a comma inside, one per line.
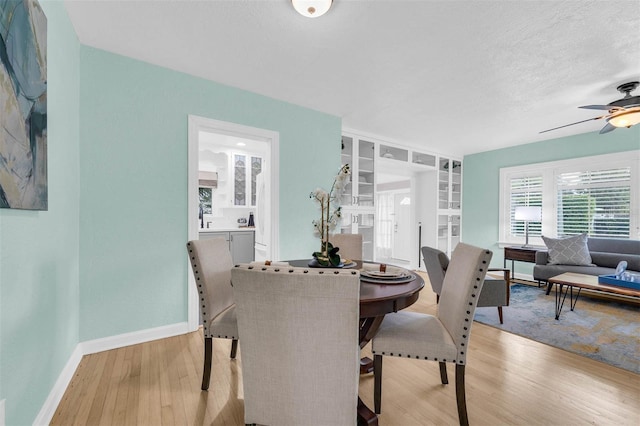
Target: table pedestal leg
(365,415)
(368,329)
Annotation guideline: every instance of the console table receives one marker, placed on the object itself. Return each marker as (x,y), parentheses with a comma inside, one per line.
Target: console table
(519,253)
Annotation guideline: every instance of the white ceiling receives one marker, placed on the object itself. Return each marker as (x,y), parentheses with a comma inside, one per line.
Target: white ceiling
(456,77)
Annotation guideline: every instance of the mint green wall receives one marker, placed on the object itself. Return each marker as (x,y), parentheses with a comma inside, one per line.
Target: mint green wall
(133,184)
(39,250)
(481,181)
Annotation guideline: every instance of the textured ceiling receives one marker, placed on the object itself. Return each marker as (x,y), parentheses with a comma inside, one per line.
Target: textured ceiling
(456,77)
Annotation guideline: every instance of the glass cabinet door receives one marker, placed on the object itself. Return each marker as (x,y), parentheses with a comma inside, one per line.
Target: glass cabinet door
(360,223)
(347,158)
(240,180)
(365,224)
(449,184)
(456,184)
(443,184)
(443,233)
(454,231)
(448,232)
(365,194)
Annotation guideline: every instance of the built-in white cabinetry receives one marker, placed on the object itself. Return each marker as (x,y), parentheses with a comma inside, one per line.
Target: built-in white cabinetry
(360,155)
(370,158)
(241,244)
(358,200)
(363,223)
(449,193)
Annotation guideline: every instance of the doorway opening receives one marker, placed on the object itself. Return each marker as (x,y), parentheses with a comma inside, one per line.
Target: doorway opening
(232,179)
(394,217)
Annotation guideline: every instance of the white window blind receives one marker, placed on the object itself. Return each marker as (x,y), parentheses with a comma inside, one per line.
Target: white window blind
(524,191)
(597,195)
(596,202)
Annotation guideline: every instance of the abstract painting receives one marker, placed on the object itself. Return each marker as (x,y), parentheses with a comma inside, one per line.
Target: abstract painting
(23,105)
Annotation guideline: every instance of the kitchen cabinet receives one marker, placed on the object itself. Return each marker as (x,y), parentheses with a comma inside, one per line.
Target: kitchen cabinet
(241,244)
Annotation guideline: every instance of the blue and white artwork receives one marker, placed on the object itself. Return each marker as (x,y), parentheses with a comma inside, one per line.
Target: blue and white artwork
(23,105)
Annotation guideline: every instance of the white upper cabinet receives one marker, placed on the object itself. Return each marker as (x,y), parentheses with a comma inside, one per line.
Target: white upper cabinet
(360,155)
(449,184)
(449,203)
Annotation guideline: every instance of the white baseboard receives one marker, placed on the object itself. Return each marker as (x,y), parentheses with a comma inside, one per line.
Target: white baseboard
(55,396)
(98,345)
(133,338)
(525,277)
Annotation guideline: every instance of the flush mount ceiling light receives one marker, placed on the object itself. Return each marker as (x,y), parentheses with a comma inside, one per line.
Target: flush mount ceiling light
(311,8)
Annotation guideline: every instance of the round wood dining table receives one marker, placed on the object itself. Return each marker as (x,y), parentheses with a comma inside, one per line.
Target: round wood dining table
(376,300)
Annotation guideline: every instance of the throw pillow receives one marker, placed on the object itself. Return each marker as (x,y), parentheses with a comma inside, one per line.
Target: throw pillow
(568,251)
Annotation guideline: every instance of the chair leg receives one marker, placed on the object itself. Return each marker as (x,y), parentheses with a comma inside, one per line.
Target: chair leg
(460,396)
(443,373)
(206,369)
(377,383)
(234,348)
(500,314)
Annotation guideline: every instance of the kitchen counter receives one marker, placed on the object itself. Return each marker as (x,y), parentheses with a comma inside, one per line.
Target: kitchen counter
(205,230)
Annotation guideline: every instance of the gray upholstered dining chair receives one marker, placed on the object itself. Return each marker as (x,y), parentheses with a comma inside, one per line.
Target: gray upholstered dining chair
(300,353)
(350,245)
(436,263)
(442,338)
(211,264)
(495,292)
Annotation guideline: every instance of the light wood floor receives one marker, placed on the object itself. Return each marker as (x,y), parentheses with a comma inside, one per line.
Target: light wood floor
(510,380)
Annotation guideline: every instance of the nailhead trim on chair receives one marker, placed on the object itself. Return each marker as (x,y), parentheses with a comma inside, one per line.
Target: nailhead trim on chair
(305,271)
(409,356)
(203,313)
(465,328)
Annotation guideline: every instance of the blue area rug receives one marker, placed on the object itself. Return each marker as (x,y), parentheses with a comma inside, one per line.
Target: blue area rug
(600,329)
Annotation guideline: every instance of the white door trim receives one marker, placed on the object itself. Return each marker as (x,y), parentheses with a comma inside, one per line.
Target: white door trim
(197,124)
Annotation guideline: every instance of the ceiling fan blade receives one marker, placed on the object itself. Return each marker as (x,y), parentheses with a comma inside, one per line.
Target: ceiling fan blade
(602,107)
(607,128)
(577,122)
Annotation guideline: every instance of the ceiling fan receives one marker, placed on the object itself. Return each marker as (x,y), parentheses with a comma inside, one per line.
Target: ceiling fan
(624,112)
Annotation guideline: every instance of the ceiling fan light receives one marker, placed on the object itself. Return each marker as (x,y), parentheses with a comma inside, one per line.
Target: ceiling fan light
(312,8)
(625,119)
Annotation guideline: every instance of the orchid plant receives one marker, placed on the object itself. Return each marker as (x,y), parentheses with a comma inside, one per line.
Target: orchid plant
(330,213)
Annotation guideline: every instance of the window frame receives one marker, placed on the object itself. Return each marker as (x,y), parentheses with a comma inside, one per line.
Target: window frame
(550,172)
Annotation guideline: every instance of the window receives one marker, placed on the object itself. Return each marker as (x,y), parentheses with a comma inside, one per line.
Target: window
(594,195)
(525,192)
(596,202)
(205,200)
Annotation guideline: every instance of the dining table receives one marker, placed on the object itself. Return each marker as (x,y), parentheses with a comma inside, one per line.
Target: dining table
(377,298)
